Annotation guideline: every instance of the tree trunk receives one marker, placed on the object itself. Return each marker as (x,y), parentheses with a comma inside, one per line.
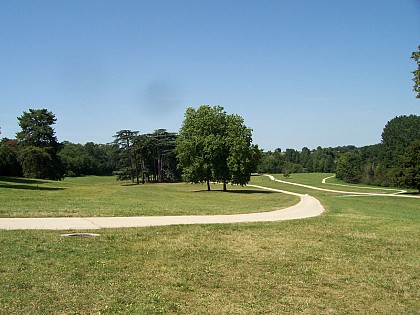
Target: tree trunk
(137,174)
(142,170)
(208,184)
(160,167)
(224,186)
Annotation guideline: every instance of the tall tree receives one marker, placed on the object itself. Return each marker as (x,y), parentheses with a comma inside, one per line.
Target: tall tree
(349,167)
(38,145)
(214,146)
(408,170)
(397,135)
(243,156)
(9,164)
(129,157)
(416,57)
(163,144)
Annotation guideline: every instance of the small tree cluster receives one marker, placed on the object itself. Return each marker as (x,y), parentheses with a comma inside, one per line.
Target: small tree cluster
(146,157)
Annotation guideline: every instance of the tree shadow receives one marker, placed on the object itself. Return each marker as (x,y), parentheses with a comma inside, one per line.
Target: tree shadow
(24,183)
(20,180)
(236,191)
(29,187)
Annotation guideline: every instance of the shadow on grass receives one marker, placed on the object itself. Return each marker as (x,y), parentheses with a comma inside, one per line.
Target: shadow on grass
(411,193)
(24,183)
(236,191)
(20,180)
(28,187)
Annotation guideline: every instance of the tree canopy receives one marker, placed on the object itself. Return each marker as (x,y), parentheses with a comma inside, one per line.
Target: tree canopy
(397,135)
(146,156)
(38,145)
(215,146)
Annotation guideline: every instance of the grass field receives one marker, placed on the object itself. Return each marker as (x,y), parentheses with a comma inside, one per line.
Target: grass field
(104,196)
(360,257)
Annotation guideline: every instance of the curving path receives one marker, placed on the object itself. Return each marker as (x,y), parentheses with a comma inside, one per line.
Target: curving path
(349,193)
(396,191)
(306,208)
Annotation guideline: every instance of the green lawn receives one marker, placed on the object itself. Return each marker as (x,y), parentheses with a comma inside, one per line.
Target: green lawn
(104,196)
(336,184)
(360,257)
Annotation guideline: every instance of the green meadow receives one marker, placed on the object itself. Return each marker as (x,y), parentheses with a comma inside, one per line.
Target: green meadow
(104,196)
(362,256)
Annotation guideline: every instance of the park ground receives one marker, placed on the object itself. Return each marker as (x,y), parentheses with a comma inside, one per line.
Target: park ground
(360,256)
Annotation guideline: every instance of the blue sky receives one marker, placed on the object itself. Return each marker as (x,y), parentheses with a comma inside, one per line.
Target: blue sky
(300,73)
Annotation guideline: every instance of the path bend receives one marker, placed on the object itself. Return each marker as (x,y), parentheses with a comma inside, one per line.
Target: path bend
(307,207)
(348,193)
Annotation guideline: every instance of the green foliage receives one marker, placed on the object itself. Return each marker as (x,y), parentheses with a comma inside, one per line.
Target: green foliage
(318,160)
(40,162)
(214,146)
(38,145)
(416,73)
(348,167)
(150,156)
(88,159)
(408,170)
(128,155)
(395,161)
(37,128)
(397,135)
(9,164)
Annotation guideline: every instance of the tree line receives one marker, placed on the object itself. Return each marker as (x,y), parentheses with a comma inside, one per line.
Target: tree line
(319,160)
(36,153)
(393,162)
(211,146)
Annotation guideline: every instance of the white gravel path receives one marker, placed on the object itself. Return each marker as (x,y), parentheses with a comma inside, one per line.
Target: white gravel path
(306,208)
(349,193)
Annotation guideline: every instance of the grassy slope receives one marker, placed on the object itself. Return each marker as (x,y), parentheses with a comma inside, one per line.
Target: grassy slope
(360,257)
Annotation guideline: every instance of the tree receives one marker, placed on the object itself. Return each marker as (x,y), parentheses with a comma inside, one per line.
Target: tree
(272,162)
(38,145)
(9,164)
(162,144)
(397,135)
(416,57)
(214,146)
(408,171)
(149,156)
(129,157)
(88,159)
(243,157)
(349,167)
(305,159)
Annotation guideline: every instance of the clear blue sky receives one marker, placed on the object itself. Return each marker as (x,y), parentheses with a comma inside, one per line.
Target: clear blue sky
(301,73)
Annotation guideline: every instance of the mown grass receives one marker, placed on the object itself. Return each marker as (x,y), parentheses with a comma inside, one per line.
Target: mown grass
(336,184)
(360,257)
(104,196)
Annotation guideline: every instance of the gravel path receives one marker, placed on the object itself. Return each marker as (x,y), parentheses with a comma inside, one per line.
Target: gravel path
(306,208)
(349,193)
